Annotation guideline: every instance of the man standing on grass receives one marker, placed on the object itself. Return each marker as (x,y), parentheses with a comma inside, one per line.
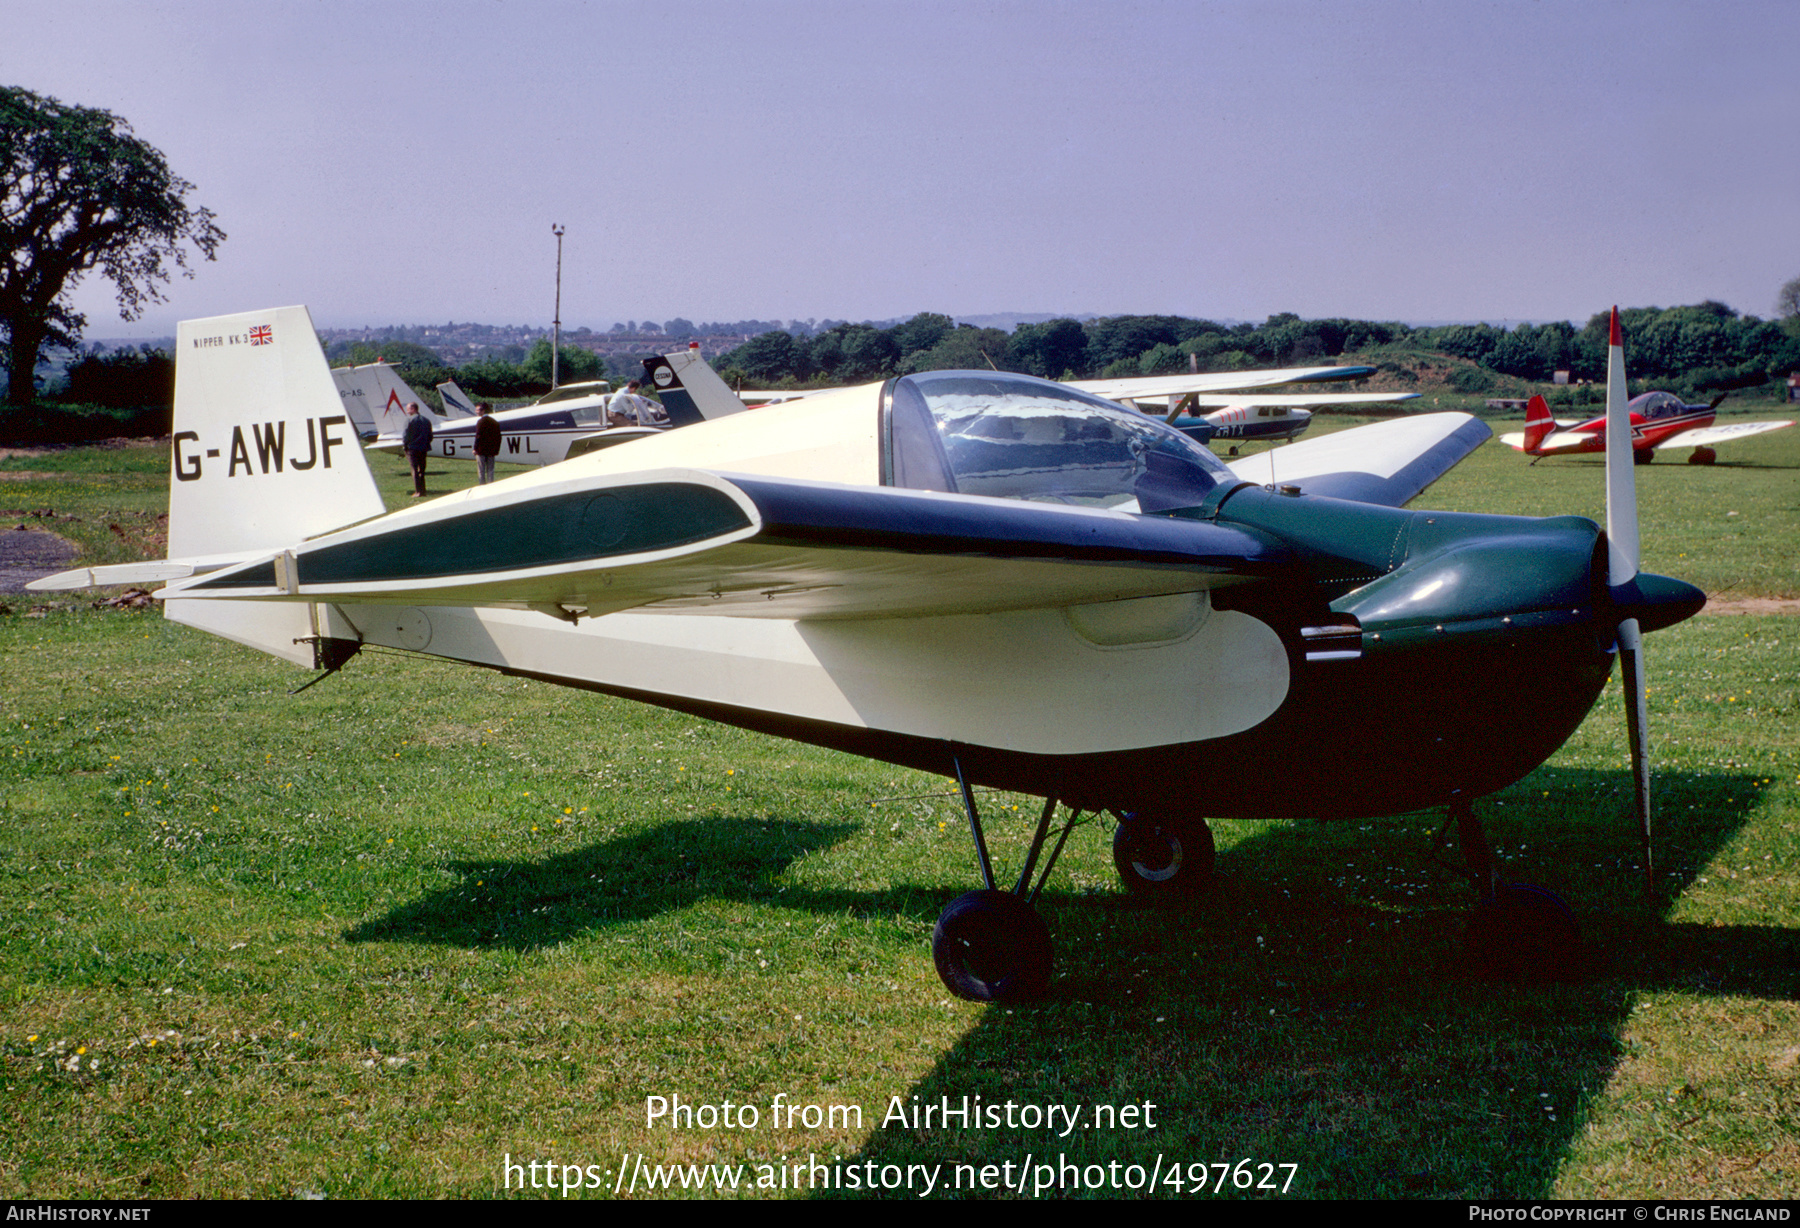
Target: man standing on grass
(487,444)
(417,442)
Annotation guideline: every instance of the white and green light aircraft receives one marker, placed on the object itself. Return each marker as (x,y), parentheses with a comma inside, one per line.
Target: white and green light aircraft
(1009,582)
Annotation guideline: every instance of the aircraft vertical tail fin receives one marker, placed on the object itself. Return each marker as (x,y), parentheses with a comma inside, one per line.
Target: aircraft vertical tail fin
(690,390)
(355,400)
(1538,423)
(264,452)
(383,396)
(457,403)
(264,455)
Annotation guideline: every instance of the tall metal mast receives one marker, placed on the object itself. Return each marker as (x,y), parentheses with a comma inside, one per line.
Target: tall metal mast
(556,334)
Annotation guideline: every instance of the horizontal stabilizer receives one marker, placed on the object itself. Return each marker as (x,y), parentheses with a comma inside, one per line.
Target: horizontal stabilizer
(1556,441)
(153,571)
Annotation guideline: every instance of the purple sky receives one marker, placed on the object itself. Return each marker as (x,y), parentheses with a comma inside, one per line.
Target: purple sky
(403,162)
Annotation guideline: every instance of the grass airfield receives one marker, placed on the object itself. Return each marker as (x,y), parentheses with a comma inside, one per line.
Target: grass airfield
(379,937)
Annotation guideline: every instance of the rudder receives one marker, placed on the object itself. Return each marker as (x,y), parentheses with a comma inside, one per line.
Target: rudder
(263,452)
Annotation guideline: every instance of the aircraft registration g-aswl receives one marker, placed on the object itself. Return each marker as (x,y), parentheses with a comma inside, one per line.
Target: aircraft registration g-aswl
(1005,581)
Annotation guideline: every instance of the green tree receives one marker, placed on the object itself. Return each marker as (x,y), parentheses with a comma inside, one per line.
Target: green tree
(573,364)
(964,348)
(922,332)
(768,358)
(124,379)
(78,192)
(1787,301)
(1052,349)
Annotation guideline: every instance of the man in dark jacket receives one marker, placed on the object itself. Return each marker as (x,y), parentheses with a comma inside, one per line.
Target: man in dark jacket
(417,442)
(487,444)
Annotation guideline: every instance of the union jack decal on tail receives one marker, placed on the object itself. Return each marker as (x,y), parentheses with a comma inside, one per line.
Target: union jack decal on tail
(262,334)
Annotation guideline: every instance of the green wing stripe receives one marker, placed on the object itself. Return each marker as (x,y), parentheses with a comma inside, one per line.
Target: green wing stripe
(550,532)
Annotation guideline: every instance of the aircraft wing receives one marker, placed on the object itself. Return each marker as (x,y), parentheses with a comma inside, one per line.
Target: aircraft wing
(611,437)
(1708,435)
(1211,381)
(1277,400)
(753,546)
(1386,462)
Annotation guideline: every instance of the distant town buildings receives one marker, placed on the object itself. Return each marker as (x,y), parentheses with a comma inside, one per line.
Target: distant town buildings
(457,343)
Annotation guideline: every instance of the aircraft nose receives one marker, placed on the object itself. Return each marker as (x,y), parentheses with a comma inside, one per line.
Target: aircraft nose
(1656,601)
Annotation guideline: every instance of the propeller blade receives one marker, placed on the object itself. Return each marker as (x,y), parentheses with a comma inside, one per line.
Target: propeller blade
(1622,569)
(1631,668)
(1621,479)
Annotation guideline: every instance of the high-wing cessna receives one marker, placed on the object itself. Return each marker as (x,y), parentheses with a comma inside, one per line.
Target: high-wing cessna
(1253,416)
(1215,404)
(1657,419)
(1008,582)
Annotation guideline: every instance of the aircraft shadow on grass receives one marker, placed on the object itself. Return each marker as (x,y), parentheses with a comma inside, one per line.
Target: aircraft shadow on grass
(525,904)
(1312,1007)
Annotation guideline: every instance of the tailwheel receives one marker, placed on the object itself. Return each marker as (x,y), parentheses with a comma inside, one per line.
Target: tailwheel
(1525,933)
(991,946)
(1162,857)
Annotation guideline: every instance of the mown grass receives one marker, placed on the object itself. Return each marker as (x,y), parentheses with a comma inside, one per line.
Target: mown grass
(371,939)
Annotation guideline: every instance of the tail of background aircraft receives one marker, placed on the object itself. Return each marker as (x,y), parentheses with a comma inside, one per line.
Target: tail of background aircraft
(383,397)
(1538,423)
(457,403)
(690,390)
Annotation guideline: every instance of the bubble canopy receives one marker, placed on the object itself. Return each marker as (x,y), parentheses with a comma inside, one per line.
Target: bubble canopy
(1653,405)
(1015,437)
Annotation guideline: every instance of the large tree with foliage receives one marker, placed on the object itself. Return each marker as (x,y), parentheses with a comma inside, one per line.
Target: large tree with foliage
(79,191)
(1787,301)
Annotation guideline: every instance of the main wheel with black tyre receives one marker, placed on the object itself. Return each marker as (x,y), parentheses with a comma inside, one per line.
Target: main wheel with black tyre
(1163,857)
(991,946)
(1525,933)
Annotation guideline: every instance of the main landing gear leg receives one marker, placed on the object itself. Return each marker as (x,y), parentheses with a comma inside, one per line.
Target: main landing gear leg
(1518,932)
(991,945)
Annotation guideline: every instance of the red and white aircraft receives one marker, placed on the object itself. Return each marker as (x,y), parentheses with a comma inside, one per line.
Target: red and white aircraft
(1658,419)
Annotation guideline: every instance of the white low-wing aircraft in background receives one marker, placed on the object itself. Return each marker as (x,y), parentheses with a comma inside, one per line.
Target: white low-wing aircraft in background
(572,420)
(1009,582)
